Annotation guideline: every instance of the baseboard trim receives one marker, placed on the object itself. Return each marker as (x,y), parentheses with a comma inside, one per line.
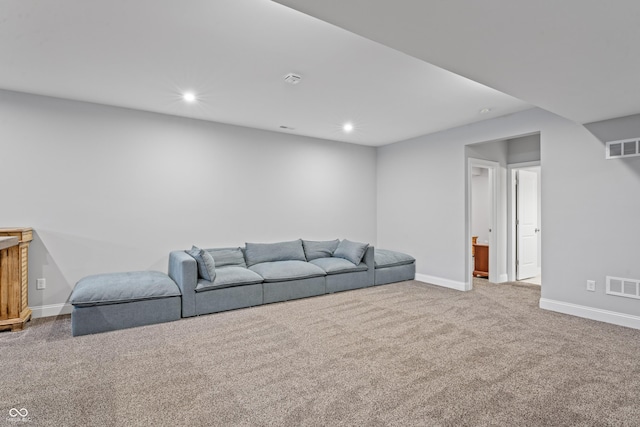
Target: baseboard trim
(50,310)
(452,284)
(503,278)
(614,317)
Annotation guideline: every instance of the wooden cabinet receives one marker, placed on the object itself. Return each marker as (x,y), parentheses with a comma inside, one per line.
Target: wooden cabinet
(14,277)
(481,264)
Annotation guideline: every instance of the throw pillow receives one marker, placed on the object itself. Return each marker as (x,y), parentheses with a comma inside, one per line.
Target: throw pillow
(321,249)
(206,264)
(256,253)
(351,251)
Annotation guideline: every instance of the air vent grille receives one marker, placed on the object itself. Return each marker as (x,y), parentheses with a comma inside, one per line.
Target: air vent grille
(623,148)
(618,286)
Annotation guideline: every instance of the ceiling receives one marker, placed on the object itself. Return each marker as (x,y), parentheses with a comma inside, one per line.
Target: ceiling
(577,58)
(234,55)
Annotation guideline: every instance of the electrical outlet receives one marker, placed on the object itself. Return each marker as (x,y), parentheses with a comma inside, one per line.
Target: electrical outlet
(41,284)
(591,285)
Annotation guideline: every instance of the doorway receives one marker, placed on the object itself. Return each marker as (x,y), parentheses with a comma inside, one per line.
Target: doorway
(482,214)
(525,231)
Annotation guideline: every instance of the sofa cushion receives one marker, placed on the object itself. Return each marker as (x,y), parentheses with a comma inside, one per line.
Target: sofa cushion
(319,249)
(206,264)
(227,257)
(338,265)
(387,258)
(114,288)
(280,271)
(256,253)
(227,277)
(351,251)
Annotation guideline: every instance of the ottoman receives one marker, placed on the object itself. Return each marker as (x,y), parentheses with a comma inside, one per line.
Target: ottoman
(392,266)
(107,302)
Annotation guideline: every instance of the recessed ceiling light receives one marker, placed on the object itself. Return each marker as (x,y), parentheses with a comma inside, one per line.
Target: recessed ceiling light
(189,96)
(348,127)
(485,110)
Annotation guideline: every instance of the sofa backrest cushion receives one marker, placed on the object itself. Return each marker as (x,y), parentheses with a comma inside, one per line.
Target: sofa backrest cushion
(206,263)
(319,249)
(228,257)
(256,253)
(351,251)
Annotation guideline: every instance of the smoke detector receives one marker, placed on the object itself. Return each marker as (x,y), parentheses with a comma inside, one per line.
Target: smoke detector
(293,78)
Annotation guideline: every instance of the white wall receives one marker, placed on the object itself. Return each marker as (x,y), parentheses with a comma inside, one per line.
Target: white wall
(589,207)
(109,189)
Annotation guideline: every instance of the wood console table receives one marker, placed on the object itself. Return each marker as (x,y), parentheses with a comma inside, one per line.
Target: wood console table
(14,277)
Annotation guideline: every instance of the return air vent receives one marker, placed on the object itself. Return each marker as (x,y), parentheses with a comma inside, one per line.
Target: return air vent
(618,286)
(623,148)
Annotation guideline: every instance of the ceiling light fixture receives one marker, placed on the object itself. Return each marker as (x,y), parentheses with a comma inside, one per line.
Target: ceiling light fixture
(189,96)
(348,127)
(485,110)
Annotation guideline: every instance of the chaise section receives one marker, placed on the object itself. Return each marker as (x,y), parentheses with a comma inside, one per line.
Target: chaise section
(108,302)
(393,266)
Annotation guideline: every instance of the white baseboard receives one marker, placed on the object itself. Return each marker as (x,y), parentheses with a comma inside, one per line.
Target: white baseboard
(503,278)
(621,319)
(452,284)
(50,310)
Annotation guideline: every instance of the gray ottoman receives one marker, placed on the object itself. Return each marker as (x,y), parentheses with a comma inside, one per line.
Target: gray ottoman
(392,266)
(107,302)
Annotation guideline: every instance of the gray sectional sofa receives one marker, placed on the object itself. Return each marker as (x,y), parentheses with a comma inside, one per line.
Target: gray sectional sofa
(213,280)
(208,281)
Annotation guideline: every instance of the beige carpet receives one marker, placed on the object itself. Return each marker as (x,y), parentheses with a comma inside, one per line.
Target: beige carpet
(406,354)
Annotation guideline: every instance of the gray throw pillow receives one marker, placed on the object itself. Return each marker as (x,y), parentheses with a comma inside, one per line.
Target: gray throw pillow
(319,249)
(206,264)
(256,253)
(228,257)
(351,251)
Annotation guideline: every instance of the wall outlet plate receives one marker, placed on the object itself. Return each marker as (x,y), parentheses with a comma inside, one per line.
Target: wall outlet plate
(591,285)
(41,284)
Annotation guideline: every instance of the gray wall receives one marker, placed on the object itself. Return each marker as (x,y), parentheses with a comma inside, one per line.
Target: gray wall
(524,149)
(589,205)
(109,189)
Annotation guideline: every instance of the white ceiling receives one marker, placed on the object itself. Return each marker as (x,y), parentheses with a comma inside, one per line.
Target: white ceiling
(577,58)
(234,54)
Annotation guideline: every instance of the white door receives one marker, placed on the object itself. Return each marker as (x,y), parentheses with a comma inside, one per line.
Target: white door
(527,224)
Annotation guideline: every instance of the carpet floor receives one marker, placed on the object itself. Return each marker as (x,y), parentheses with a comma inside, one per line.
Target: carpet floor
(405,354)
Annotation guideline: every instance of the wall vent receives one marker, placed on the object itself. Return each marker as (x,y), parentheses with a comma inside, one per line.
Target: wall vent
(618,286)
(623,148)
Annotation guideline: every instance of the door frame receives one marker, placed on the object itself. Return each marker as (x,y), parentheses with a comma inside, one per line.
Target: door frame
(493,168)
(511,217)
